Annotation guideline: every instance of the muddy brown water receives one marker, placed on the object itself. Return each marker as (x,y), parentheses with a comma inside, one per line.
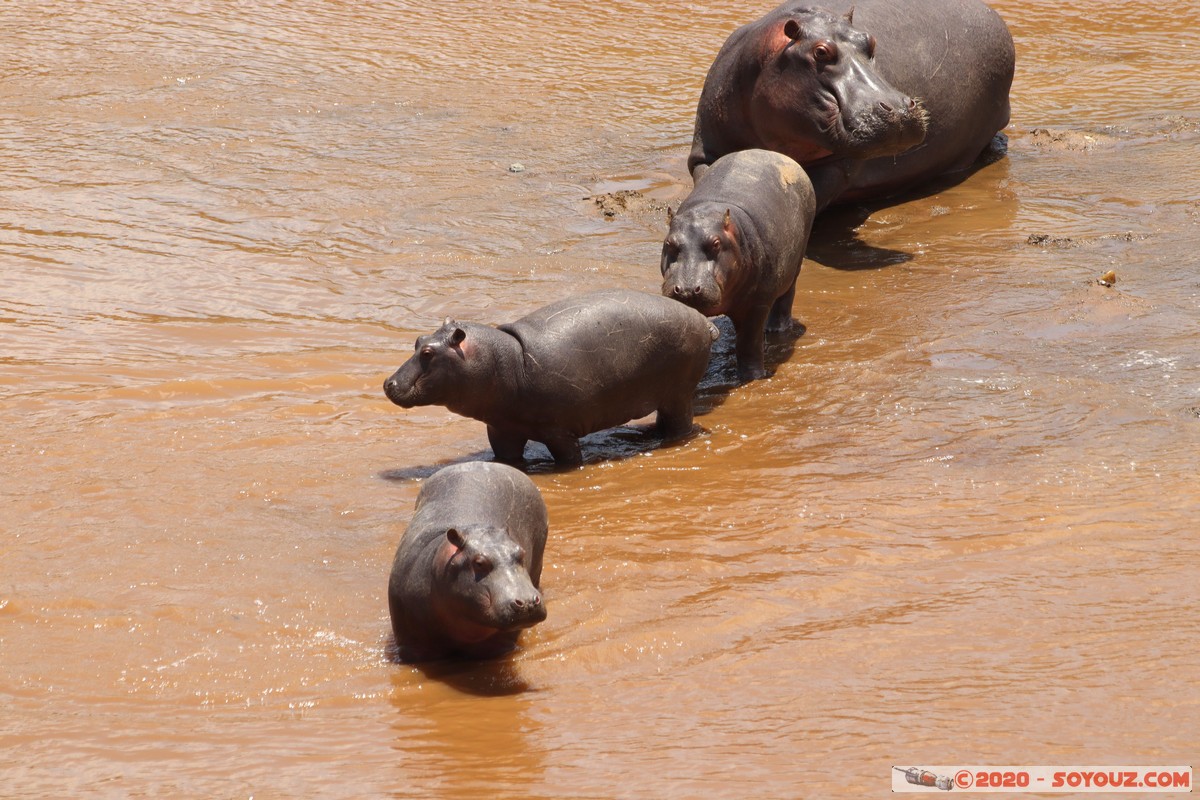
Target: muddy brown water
(958,525)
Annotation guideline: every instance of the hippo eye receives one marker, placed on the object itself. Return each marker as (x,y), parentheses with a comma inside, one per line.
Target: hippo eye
(714,245)
(824,52)
(870,47)
(481,566)
(519,556)
(426,353)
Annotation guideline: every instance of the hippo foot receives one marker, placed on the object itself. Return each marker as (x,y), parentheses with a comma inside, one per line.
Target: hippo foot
(509,448)
(673,426)
(753,372)
(780,325)
(566,452)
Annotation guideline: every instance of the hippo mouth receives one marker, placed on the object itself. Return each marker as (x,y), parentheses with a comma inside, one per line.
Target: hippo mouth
(880,131)
(485,628)
(513,616)
(405,397)
(527,617)
(524,622)
(705,299)
(397,395)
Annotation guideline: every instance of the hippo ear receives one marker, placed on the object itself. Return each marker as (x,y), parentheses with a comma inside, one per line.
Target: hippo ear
(727,223)
(849,16)
(791,29)
(457,336)
(670,215)
(455,537)
(447,321)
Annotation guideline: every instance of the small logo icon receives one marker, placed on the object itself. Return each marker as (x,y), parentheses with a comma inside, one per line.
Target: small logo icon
(923,777)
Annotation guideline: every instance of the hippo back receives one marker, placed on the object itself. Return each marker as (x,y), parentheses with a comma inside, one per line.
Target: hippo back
(772,188)
(481,494)
(607,357)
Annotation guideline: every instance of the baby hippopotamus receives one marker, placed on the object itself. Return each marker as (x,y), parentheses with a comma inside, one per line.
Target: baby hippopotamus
(736,245)
(569,369)
(465,580)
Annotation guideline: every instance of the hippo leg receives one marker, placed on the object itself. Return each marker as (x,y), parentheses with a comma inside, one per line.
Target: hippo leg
(565,449)
(674,419)
(749,347)
(831,181)
(508,447)
(780,318)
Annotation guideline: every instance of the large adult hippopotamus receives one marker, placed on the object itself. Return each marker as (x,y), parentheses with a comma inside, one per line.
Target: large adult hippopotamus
(736,244)
(871,97)
(571,368)
(465,579)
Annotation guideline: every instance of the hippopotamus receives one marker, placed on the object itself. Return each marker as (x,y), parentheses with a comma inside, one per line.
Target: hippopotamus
(736,244)
(465,579)
(566,370)
(871,97)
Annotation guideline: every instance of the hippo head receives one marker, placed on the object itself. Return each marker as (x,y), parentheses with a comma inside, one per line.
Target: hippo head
(487,585)
(435,374)
(819,94)
(700,258)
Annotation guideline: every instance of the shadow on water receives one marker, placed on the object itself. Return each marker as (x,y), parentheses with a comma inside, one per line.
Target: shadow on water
(420,472)
(835,243)
(721,376)
(494,677)
(612,444)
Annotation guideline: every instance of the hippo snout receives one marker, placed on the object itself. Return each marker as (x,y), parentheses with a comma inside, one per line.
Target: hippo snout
(397,393)
(683,293)
(702,295)
(528,610)
(895,124)
(907,105)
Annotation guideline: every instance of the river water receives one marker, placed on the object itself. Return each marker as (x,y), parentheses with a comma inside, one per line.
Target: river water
(958,525)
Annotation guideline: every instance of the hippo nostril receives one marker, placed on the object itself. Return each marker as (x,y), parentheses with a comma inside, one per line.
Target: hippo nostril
(518,603)
(884,107)
(537,600)
(677,291)
(912,104)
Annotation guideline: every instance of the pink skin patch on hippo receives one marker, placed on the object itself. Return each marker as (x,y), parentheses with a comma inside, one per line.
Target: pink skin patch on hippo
(775,44)
(461,630)
(800,150)
(456,628)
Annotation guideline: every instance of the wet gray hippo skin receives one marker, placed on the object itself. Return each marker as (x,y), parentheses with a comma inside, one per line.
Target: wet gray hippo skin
(465,580)
(906,92)
(574,367)
(736,245)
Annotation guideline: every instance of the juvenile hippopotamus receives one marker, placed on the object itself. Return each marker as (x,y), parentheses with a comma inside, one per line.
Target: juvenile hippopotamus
(571,368)
(465,580)
(736,245)
(871,97)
